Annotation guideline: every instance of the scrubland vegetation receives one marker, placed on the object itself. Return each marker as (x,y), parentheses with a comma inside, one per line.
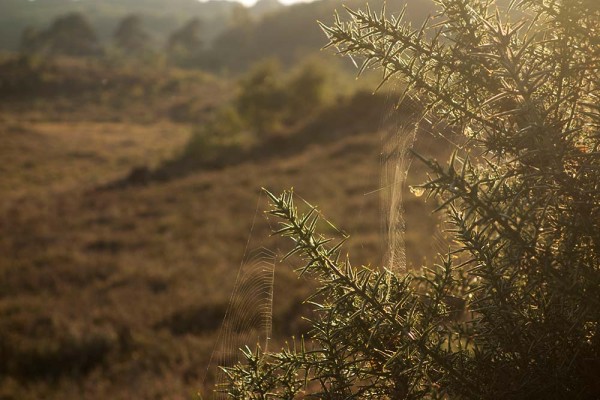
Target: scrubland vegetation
(511,308)
(123,228)
(135,141)
(130,176)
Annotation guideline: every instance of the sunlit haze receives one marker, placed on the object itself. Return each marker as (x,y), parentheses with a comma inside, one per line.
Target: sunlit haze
(252,2)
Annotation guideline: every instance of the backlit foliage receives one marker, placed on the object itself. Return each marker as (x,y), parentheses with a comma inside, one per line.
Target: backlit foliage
(513,309)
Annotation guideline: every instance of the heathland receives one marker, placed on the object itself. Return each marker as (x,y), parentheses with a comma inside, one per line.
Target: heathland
(130,180)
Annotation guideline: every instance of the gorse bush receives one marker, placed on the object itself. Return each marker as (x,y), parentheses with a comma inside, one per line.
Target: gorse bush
(521,197)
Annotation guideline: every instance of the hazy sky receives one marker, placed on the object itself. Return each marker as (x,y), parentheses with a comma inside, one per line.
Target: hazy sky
(282,1)
(251,2)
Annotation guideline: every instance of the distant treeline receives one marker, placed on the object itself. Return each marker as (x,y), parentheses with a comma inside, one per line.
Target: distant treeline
(104,15)
(247,35)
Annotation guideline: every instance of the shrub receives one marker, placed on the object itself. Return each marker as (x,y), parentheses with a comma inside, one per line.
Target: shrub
(270,99)
(306,90)
(39,346)
(220,138)
(262,98)
(521,197)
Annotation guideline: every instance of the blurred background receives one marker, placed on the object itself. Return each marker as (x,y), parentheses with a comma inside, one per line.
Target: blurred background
(135,136)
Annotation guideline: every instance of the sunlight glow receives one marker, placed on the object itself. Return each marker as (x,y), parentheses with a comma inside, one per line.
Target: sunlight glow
(249,3)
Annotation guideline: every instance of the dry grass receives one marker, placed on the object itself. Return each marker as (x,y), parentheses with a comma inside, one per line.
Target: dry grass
(44,157)
(118,293)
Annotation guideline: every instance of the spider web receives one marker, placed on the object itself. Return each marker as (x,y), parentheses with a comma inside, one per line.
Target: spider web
(395,163)
(398,127)
(248,319)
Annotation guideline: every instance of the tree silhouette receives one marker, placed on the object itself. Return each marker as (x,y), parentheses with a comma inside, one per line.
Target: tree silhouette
(186,41)
(131,36)
(70,34)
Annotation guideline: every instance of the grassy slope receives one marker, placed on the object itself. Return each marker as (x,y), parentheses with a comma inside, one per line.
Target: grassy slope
(119,293)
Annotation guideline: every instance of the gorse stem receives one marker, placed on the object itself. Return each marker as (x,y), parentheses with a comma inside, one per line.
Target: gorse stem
(319,259)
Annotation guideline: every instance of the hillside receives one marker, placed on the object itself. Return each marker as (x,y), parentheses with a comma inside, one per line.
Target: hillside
(118,291)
